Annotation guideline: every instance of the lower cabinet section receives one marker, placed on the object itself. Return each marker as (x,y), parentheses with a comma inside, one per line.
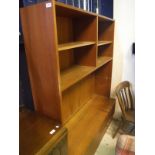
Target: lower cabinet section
(87,127)
(57,145)
(40,135)
(80,135)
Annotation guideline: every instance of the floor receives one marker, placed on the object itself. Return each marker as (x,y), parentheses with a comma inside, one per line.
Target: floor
(107,145)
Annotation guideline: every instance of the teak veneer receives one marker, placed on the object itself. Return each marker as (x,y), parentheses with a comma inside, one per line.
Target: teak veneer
(69,55)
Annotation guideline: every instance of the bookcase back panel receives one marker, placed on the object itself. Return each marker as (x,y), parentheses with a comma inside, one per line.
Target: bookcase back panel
(106,31)
(85,29)
(106,50)
(86,56)
(103,80)
(76,96)
(64,29)
(66,59)
(76,29)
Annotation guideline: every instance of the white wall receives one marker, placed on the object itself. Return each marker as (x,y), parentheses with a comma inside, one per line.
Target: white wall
(124,62)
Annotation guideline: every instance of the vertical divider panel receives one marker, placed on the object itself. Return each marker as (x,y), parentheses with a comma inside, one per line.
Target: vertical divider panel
(40,38)
(97,31)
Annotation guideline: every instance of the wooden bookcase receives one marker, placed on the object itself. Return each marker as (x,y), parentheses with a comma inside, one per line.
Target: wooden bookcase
(69,53)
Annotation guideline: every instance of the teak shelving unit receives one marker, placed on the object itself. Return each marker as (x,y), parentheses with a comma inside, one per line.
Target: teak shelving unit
(69,54)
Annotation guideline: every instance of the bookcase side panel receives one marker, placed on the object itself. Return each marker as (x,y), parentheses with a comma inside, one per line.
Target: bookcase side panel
(38,23)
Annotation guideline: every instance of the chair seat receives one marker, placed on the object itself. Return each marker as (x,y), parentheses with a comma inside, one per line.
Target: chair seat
(130,116)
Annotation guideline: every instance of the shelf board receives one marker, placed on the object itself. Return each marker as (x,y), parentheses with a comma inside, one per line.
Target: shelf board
(102,43)
(66,46)
(73,75)
(98,110)
(104,18)
(102,61)
(68,10)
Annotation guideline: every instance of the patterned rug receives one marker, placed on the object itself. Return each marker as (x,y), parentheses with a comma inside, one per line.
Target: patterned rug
(107,145)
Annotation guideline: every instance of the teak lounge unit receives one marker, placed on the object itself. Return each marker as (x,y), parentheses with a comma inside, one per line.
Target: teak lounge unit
(69,55)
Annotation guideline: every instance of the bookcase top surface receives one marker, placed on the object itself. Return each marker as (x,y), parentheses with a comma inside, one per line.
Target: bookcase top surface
(68,10)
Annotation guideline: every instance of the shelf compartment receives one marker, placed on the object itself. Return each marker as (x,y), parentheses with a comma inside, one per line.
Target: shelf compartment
(105,50)
(106,30)
(102,43)
(102,61)
(75,12)
(71,45)
(74,74)
(72,30)
(98,110)
(68,10)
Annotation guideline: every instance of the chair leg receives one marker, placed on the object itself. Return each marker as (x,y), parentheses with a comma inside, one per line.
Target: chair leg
(132,129)
(119,127)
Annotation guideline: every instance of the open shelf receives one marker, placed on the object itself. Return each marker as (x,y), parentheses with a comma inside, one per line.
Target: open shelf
(102,61)
(102,43)
(74,74)
(82,133)
(71,45)
(105,29)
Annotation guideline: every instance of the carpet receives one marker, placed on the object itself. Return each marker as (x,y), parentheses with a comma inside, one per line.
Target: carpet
(108,144)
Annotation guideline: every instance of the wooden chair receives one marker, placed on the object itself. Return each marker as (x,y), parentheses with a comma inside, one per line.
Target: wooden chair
(125,98)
